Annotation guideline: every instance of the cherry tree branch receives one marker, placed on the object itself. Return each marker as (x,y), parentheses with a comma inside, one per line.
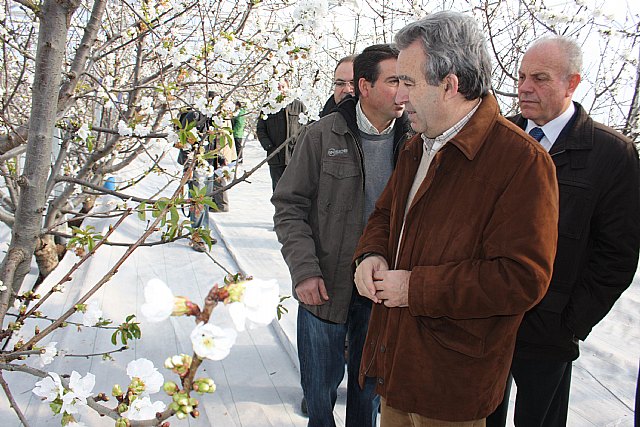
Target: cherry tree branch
(12,401)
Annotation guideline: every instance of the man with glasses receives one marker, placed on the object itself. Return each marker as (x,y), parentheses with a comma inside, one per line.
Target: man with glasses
(339,167)
(342,84)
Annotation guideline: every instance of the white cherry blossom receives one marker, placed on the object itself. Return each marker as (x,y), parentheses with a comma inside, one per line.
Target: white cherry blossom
(49,387)
(84,132)
(141,130)
(147,373)
(92,314)
(124,129)
(48,355)
(79,390)
(258,304)
(158,304)
(143,409)
(212,342)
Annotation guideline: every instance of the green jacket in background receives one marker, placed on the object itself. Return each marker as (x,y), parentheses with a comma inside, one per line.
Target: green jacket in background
(237,122)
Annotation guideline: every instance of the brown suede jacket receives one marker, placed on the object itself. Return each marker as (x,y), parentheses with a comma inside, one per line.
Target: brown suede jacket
(479,240)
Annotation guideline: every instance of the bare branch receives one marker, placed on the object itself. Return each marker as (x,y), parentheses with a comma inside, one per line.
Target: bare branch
(29,5)
(12,401)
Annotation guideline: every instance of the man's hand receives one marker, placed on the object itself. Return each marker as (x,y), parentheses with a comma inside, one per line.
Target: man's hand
(392,287)
(312,291)
(364,276)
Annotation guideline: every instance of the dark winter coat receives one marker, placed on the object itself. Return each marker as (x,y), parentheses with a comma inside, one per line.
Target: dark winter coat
(479,240)
(272,132)
(598,237)
(319,205)
(202,125)
(329,106)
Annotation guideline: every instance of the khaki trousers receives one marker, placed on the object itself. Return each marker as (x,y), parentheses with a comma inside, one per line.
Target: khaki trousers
(390,417)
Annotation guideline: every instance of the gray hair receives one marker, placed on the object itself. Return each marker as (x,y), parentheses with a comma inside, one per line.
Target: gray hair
(453,44)
(569,47)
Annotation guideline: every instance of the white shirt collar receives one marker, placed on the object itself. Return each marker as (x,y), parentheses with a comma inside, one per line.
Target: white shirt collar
(553,128)
(365,125)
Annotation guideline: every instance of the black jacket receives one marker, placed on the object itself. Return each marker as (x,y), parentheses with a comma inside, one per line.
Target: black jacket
(202,125)
(329,106)
(272,132)
(598,237)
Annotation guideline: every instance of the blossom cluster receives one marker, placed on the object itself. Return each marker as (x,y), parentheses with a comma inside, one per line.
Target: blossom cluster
(65,400)
(250,303)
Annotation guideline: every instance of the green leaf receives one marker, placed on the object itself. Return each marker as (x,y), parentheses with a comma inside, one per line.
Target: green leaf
(142,211)
(208,201)
(162,203)
(175,216)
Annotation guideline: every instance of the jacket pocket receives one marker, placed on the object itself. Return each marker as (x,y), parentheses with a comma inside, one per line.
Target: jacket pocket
(574,207)
(545,328)
(339,183)
(463,336)
(555,301)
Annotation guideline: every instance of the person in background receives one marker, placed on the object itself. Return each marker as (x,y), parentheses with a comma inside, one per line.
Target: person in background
(339,167)
(202,175)
(273,131)
(237,122)
(461,242)
(598,231)
(342,84)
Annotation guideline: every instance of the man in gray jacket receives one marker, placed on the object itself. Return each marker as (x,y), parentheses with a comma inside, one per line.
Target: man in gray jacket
(339,168)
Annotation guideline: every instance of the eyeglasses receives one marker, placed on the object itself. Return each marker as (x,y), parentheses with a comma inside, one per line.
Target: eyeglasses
(342,83)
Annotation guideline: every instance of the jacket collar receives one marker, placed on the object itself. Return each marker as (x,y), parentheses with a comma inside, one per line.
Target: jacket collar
(474,134)
(347,109)
(576,135)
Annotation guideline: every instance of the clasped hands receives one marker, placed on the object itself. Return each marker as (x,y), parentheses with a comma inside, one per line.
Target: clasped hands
(375,281)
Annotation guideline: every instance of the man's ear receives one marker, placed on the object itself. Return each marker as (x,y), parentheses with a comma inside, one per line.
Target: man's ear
(574,81)
(450,83)
(363,87)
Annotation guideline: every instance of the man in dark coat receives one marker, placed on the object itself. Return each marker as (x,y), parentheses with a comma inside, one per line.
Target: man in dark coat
(342,84)
(598,231)
(273,131)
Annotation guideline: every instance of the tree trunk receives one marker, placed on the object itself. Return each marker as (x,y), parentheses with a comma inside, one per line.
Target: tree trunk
(54,19)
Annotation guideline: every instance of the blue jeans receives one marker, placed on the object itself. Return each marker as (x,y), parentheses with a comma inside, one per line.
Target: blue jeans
(198,215)
(321,355)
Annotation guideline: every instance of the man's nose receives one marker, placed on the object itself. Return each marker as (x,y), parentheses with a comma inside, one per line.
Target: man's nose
(524,85)
(402,95)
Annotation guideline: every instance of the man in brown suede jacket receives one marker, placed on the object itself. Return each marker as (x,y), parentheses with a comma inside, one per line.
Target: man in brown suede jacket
(462,240)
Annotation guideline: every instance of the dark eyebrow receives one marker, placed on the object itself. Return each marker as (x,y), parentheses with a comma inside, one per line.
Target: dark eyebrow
(404,77)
